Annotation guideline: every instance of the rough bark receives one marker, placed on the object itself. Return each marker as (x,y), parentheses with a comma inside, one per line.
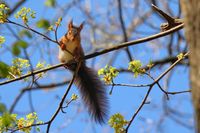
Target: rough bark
(191,11)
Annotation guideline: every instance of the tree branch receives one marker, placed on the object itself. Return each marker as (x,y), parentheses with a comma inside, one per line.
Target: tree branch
(150,88)
(120,46)
(123,28)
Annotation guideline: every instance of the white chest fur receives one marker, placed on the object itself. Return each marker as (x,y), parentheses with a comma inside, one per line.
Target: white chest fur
(65,56)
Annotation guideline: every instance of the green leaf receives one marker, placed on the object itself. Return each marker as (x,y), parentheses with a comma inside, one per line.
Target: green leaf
(6,119)
(17,45)
(25,33)
(74,97)
(135,67)
(118,122)
(180,56)
(25,14)
(2,108)
(2,40)
(3,13)
(22,44)
(108,73)
(38,129)
(4,68)
(16,50)
(43,23)
(50,3)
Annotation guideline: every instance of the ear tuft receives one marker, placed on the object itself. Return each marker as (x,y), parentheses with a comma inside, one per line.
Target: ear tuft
(70,25)
(81,26)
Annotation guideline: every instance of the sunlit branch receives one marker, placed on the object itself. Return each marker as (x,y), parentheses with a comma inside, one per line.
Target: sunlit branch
(95,54)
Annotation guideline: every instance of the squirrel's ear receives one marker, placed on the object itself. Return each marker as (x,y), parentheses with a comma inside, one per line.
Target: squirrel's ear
(70,25)
(81,26)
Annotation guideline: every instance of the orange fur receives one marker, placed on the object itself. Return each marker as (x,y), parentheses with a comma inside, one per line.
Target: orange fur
(91,88)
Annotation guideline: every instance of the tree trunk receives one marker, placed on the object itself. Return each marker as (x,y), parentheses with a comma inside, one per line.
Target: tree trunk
(191,12)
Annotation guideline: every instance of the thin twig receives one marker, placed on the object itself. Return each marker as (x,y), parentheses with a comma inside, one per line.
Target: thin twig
(172,66)
(125,37)
(16,101)
(178,92)
(135,42)
(63,98)
(131,85)
(171,22)
(16,6)
(28,28)
(151,86)
(122,45)
(48,123)
(158,85)
(139,108)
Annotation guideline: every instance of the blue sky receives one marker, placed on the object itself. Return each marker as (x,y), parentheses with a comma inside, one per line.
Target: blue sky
(124,100)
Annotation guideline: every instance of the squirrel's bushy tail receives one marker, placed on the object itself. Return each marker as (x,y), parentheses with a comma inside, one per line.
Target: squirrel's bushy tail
(93,93)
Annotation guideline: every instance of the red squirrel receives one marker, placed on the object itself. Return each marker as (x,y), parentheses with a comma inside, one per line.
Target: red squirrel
(90,86)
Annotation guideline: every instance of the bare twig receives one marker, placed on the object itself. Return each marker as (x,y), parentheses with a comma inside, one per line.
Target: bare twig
(17,5)
(172,66)
(48,123)
(135,42)
(28,28)
(150,88)
(16,101)
(171,22)
(131,85)
(139,108)
(178,92)
(123,28)
(122,45)
(158,85)
(63,98)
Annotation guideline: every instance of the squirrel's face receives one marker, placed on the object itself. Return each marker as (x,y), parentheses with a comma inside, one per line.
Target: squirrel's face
(73,31)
